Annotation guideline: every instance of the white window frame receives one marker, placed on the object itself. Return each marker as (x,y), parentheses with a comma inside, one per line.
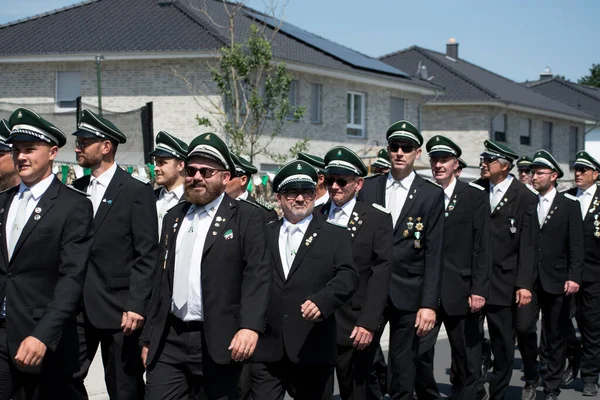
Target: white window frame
(319,106)
(528,135)
(404,101)
(293,104)
(362,111)
(57,106)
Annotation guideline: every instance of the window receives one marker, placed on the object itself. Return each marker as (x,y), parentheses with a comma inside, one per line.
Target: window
(573,143)
(269,167)
(68,89)
(293,98)
(547,136)
(499,128)
(525,131)
(356,115)
(315,102)
(396,109)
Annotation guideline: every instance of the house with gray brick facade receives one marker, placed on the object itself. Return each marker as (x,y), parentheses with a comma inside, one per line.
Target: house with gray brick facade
(147,46)
(478,104)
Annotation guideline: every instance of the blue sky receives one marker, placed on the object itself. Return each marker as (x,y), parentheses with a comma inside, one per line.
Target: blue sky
(514,38)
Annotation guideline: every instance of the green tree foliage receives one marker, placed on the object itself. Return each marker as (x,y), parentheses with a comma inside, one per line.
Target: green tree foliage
(593,79)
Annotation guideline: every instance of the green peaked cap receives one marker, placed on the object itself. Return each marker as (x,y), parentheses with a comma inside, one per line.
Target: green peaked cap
(243,166)
(404,130)
(382,160)
(317,162)
(440,145)
(296,174)
(92,125)
(544,159)
(4,134)
(211,146)
(341,160)
(168,146)
(524,162)
(462,163)
(585,160)
(497,150)
(26,126)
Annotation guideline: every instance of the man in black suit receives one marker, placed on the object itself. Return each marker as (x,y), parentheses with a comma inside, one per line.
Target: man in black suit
(417,208)
(211,301)
(45,241)
(587,170)
(313,275)
(169,171)
(8,174)
(512,257)
(122,262)
(237,187)
(359,321)
(466,270)
(558,265)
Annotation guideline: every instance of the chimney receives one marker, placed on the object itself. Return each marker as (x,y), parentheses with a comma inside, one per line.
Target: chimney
(546,74)
(452,49)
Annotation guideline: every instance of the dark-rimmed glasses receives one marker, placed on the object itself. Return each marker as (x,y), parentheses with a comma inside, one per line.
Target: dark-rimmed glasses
(205,172)
(405,147)
(82,144)
(342,182)
(293,194)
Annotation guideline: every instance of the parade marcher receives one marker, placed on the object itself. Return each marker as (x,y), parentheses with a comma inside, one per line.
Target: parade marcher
(210,303)
(319,164)
(122,261)
(8,173)
(511,205)
(417,209)
(169,169)
(313,275)
(46,236)
(237,187)
(382,164)
(466,270)
(359,326)
(461,165)
(558,265)
(524,170)
(587,192)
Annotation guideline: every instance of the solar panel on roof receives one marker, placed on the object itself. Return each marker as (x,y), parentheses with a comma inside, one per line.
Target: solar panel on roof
(335,50)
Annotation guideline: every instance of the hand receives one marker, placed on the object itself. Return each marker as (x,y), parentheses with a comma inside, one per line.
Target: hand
(362,337)
(243,344)
(144,354)
(476,303)
(425,321)
(31,352)
(131,321)
(310,311)
(571,288)
(523,297)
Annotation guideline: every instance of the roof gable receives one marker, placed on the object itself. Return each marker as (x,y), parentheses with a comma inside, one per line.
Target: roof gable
(581,97)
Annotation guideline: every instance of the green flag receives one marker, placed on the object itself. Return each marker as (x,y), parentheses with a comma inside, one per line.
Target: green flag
(87,171)
(64,171)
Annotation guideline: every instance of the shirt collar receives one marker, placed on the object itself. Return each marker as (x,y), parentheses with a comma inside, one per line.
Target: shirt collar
(503,186)
(302,225)
(346,208)
(549,196)
(105,178)
(39,188)
(211,208)
(243,196)
(591,190)
(323,199)
(178,191)
(450,189)
(406,182)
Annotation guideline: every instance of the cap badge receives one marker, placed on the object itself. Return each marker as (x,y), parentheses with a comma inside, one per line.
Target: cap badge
(299,167)
(437,139)
(339,153)
(403,126)
(207,137)
(20,115)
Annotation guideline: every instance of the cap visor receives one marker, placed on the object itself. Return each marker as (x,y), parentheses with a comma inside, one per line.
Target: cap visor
(338,171)
(23,137)
(162,153)
(297,185)
(404,139)
(580,165)
(441,153)
(86,134)
(202,154)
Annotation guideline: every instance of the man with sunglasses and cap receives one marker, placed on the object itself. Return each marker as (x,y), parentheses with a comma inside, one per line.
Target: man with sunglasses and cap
(46,235)
(359,326)
(169,169)
(511,205)
(558,265)
(237,187)
(417,209)
(211,299)
(586,170)
(382,164)
(524,170)
(122,262)
(8,173)
(466,270)
(313,275)
(321,193)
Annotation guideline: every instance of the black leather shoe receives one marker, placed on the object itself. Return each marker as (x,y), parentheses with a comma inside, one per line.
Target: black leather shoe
(567,377)
(590,389)
(551,396)
(529,391)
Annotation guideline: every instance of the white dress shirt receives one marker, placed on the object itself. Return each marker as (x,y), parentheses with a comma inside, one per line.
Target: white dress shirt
(303,226)
(448,192)
(585,198)
(243,196)
(102,183)
(403,188)
(502,188)
(322,200)
(166,201)
(193,309)
(346,212)
(544,203)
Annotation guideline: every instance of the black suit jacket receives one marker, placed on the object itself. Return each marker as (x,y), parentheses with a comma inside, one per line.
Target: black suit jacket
(467,256)
(124,253)
(235,278)
(512,253)
(323,272)
(560,248)
(416,270)
(44,278)
(591,266)
(371,231)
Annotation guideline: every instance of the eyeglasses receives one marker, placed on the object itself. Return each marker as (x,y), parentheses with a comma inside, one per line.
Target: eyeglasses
(205,172)
(487,160)
(293,194)
(83,143)
(582,170)
(406,148)
(525,171)
(340,181)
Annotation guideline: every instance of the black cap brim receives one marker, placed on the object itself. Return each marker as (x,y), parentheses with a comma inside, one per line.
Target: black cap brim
(297,185)
(439,153)
(163,154)
(339,171)
(24,137)
(87,134)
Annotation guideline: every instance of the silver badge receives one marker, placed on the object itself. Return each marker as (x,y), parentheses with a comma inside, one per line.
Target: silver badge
(37,217)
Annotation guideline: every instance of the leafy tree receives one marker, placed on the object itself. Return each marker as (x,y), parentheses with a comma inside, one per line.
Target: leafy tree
(593,79)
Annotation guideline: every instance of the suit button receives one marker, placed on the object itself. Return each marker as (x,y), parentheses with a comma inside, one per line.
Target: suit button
(285,317)
(9,275)
(285,292)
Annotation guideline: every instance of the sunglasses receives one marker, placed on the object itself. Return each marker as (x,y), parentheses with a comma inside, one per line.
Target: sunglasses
(205,172)
(82,143)
(488,160)
(340,181)
(406,148)
(293,194)
(524,171)
(581,170)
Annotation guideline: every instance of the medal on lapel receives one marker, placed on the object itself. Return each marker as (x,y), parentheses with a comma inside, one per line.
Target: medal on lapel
(417,240)
(409,224)
(513,228)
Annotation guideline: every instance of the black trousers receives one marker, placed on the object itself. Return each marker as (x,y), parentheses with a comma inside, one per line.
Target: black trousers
(589,326)
(353,370)
(121,357)
(184,370)
(501,328)
(555,319)
(378,382)
(270,381)
(465,346)
(17,385)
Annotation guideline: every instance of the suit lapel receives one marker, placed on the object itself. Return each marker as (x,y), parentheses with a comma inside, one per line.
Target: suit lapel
(221,220)
(110,197)
(553,208)
(274,229)
(10,194)
(171,238)
(454,200)
(411,198)
(510,195)
(357,219)
(312,234)
(591,214)
(380,190)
